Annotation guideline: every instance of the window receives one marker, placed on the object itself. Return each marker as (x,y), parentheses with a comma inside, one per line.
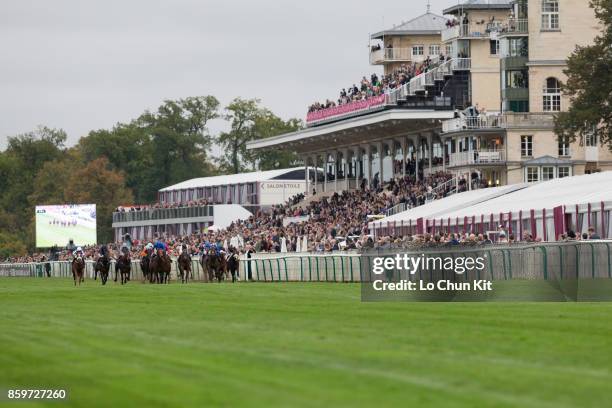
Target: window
(564,172)
(552,96)
(434,49)
(518,47)
(532,175)
(550,14)
(494,47)
(517,79)
(590,140)
(418,50)
(518,106)
(548,173)
(563,146)
(449,49)
(526,146)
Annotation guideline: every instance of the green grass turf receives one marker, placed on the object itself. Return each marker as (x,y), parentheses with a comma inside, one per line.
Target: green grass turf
(297,345)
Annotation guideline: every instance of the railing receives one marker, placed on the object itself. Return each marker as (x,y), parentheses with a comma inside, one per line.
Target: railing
(516,26)
(399,208)
(390,54)
(461,64)
(351,108)
(453,32)
(557,261)
(475,157)
(473,123)
(163,213)
(505,121)
(529,120)
(471,31)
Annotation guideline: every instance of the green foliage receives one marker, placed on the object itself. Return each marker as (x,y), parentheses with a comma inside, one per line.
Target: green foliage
(589,85)
(158,148)
(250,122)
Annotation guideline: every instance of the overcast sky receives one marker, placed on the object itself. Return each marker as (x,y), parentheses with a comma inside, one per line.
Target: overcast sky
(83,65)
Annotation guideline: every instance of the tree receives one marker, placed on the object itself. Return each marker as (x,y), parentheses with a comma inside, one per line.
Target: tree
(97,184)
(242,114)
(249,121)
(268,125)
(158,148)
(11,245)
(180,138)
(589,85)
(25,155)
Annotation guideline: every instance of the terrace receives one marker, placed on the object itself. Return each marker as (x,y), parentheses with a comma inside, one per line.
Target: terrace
(410,95)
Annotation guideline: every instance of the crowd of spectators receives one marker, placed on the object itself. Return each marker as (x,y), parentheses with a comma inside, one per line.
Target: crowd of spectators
(191,203)
(376,86)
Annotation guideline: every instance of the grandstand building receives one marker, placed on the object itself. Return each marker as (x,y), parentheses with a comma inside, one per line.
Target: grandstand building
(484,106)
(197,204)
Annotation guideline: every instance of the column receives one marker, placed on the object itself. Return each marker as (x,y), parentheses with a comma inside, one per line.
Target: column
(404,143)
(369,157)
(430,151)
(392,152)
(306,178)
(416,157)
(380,162)
(345,169)
(325,159)
(358,166)
(444,152)
(316,173)
(335,170)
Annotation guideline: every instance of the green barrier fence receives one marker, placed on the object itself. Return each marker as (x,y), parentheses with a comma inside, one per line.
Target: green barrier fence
(580,259)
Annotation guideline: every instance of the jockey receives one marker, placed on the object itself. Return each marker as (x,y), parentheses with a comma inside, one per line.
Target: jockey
(78,252)
(159,244)
(103,250)
(125,250)
(146,250)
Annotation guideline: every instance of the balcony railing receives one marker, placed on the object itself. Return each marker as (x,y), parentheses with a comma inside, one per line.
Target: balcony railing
(390,54)
(461,64)
(516,26)
(529,120)
(346,110)
(477,157)
(507,120)
(471,30)
(473,123)
(163,213)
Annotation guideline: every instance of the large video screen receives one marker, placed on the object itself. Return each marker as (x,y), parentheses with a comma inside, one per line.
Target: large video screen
(58,224)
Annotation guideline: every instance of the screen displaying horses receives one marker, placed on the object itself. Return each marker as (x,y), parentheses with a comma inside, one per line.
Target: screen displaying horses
(58,224)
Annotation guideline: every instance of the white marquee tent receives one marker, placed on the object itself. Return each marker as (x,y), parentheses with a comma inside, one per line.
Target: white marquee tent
(548,209)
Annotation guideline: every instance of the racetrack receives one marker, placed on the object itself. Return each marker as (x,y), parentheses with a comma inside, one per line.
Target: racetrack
(296,344)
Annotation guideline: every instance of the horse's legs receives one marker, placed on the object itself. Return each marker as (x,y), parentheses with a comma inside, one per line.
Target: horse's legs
(95,274)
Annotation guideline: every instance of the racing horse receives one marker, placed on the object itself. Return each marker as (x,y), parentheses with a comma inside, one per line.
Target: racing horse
(160,266)
(184,265)
(102,266)
(216,265)
(78,268)
(124,266)
(145,267)
(232,264)
(208,273)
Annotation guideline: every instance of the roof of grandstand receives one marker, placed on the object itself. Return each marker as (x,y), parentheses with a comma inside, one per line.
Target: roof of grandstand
(569,191)
(479,5)
(242,178)
(428,23)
